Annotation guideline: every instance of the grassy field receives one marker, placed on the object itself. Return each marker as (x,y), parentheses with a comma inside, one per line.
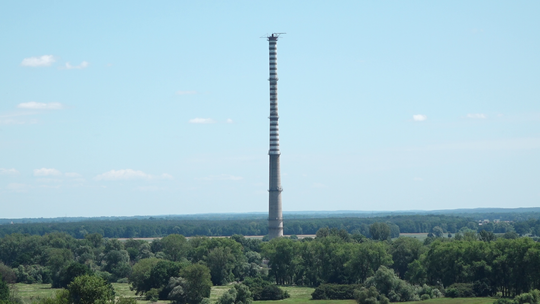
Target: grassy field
(29,293)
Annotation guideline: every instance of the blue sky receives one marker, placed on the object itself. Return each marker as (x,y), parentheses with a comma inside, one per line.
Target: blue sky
(146,108)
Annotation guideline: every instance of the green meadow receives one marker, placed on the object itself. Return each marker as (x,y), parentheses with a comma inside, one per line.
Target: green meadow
(30,292)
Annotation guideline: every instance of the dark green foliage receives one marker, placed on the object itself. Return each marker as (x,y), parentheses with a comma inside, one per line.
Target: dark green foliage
(4,290)
(380,231)
(140,277)
(460,290)
(532,297)
(160,275)
(69,273)
(90,290)
(334,292)
(370,296)
(387,283)
(177,290)
(504,301)
(163,227)
(262,290)
(239,294)
(152,295)
(405,250)
(199,283)
(486,236)
(7,274)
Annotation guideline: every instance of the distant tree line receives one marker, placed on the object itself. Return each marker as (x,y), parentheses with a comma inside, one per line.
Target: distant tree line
(378,268)
(160,227)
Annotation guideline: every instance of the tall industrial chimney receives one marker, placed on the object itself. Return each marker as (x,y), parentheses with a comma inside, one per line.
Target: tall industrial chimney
(275,219)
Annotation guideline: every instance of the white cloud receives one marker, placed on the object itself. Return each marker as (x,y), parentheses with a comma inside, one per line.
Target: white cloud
(186,92)
(32,105)
(16,187)
(477,116)
(4,171)
(45,60)
(83,65)
(72,174)
(229,120)
(46,172)
(419,117)
(221,177)
(129,174)
(202,120)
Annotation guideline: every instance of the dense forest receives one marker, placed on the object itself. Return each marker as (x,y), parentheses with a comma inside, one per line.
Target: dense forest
(146,228)
(373,267)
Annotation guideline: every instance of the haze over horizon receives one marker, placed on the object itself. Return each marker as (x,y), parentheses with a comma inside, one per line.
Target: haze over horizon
(120,109)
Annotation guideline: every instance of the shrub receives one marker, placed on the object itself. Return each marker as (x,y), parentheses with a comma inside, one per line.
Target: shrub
(240,294)
(272,292)
(429,291)
(460,290)
(531,297)
(334,292)
(369,296)
(152,295)
(504,301)
(262,290)
(387,283)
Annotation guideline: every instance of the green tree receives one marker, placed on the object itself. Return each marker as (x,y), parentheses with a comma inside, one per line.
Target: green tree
(140,276)
(68,274)
(380,231)
(178,288)
(175,246)
(4,290)
(486,236)
(199,282)
(366,259)
(370,296)
(220,261)
(280,252)
(404,251)
(437,231)
(90,290)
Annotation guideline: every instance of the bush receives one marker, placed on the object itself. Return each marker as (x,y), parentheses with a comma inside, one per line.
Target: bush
(504,301)
(387,283)
(483,288)
(240,294)
(430,292)
(369,296)
(460,290)
(272,292)
(262,290)
(334,292)
(7,274)
(152,295)
(531,297)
